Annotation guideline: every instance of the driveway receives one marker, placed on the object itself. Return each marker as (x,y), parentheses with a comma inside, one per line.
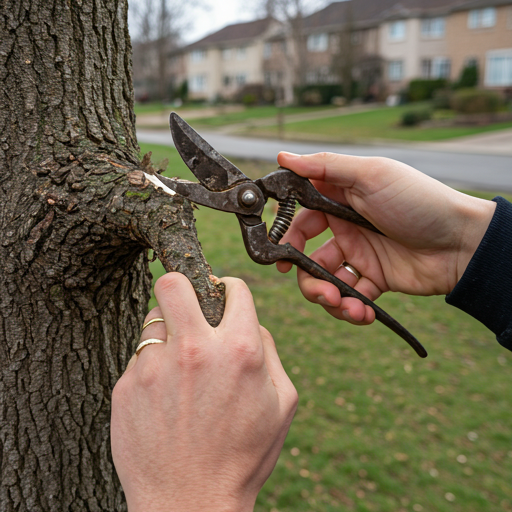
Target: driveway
(455,163)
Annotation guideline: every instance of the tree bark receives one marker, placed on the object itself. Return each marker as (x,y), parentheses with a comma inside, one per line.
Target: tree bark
(76,220)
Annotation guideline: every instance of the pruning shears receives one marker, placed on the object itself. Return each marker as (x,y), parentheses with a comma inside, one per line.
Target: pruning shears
(224,187)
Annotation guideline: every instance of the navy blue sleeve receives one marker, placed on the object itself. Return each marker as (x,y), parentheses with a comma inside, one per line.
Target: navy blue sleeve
(485,289)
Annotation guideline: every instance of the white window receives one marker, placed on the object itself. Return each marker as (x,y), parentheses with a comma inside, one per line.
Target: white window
(318,42)
(433,28)
(397,31)
(267,50)
(241,79)
(441,67)
(396,70)
(498,69)
(482,18)
(241,53)
(226,54)
(198,55)
(198,83)
(488,17)
(438,67)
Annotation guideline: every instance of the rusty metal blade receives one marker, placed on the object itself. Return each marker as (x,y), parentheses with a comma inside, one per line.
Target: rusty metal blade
(214,172)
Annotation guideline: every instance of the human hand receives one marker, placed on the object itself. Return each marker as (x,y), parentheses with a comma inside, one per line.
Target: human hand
(432,231)
(198,422)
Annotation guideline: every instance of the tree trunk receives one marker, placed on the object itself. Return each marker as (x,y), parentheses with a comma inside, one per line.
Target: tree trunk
(76,219)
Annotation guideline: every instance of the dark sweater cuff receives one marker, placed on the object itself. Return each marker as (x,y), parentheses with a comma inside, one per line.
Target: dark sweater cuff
(485,289)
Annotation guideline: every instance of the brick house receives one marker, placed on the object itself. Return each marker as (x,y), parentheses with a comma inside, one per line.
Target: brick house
(437,38)
(480,32)
(382,44)
(225,61)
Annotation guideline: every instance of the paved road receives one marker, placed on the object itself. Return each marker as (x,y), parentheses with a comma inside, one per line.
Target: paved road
(486,172)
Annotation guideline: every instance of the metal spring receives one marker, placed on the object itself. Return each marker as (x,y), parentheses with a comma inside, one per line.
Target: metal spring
(283,219)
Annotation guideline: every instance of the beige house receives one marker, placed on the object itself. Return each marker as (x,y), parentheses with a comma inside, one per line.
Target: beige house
(225,61)
(482,34)
(438,39)
(382,44)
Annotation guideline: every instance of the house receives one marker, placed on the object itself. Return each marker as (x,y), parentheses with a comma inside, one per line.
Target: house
(382,45)
(480,32)
(223,62)
(438,38)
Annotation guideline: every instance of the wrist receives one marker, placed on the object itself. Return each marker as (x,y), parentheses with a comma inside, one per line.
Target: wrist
(477,215)
(197,501)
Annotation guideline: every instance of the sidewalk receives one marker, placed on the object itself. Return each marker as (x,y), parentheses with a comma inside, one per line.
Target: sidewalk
(492,143)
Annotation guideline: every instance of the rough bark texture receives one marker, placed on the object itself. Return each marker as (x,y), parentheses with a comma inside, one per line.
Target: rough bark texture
(76,220)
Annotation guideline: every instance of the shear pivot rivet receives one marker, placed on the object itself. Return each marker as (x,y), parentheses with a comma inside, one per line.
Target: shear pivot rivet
(249,198)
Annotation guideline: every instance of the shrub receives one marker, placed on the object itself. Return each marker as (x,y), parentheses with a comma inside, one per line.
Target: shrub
(442,99)
(421,90)
(249,99)
(476,101)
(311,97)
(415,117)
(468,77)
(323,91)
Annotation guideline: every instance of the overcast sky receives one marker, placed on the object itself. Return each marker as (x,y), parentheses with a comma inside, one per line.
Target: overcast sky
(215,15)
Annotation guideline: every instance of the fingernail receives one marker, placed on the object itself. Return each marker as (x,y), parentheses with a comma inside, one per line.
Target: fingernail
(295,155)
(323,301)
(346,314)
(131,362)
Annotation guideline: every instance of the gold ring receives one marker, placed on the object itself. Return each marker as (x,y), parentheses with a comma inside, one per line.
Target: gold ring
(145,343)
(352,270)
(149,322)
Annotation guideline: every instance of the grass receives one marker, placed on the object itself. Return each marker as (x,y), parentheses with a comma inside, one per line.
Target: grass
(377,428)
(252,113)
(155,107)
(382,123)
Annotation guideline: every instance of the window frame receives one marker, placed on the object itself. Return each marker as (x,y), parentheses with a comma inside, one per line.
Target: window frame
(402,35)
(198,55)
(396,63)
(476,18)
(318,42)
(506,55)
(427,31)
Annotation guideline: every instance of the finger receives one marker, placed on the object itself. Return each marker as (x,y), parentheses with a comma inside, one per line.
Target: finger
(342,170)
(179,306)
(305,226)
(239,311)
(156,330)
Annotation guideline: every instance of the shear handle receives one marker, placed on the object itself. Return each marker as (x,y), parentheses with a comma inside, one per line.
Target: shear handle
(263,251)
(282,183)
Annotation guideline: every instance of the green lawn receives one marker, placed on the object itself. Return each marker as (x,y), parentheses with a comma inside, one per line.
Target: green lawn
(381,123)
(251,113)
(377,428)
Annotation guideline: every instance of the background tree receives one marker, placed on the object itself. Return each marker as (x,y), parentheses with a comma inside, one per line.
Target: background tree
(158,25)
(292,13)
(77,217)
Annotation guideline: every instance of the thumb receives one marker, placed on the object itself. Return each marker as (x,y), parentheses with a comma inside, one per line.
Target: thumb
(343,170)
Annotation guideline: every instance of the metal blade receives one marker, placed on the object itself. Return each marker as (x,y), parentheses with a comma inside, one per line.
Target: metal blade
(215,172)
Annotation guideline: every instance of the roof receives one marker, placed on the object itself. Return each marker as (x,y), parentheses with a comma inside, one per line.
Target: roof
(372,12)
(238,32)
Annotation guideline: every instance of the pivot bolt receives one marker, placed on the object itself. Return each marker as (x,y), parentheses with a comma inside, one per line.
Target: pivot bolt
(249,198)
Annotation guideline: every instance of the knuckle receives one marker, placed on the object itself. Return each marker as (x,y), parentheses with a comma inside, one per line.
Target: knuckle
(191,356)
(168,283)
(247,354)
(154,313)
